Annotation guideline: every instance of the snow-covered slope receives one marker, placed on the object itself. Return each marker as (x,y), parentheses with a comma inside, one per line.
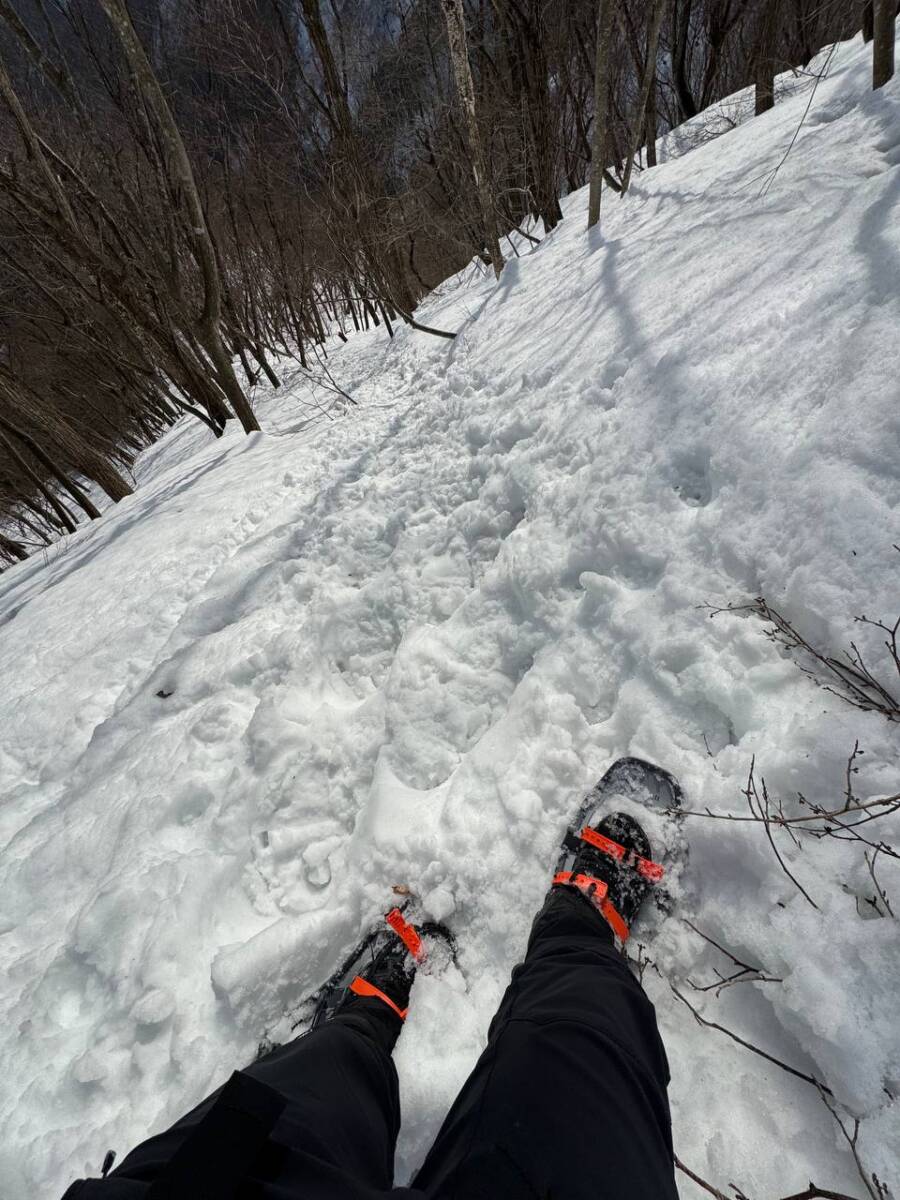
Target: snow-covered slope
(395,647)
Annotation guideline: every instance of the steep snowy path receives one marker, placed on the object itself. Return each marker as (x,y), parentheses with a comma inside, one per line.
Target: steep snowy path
(395,648)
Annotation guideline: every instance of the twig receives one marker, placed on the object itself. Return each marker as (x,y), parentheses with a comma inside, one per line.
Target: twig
(852,680)
(759,807)
(819,78)
(878,1192)
(879,890)
(745,974)
(817,1083)
(707,1187)
(818,814)
(812,1192)
(817,1193)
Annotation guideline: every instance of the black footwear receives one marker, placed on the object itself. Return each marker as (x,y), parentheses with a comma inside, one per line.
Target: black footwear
(389,976)
(613,870)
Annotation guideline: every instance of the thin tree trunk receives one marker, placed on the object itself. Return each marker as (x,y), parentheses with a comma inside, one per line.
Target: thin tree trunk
(456,35)
(883,12)
(648,82)
(12,548)
(80,498)
(764,72)
(651,126)
(62,513)
(868,21)
(681,24)
(260,355)
(605,15)
(35,529)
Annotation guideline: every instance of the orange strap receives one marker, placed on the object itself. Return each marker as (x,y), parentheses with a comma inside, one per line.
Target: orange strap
(406,933)
(362,987)
(595,890)
(650,870)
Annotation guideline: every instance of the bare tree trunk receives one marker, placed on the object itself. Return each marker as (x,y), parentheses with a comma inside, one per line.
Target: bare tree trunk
(681,23)
(35,529)
(883,12)
(764,71)
(456,36)
(63,515)
(80,498)
(12,549)
(78,449)
(184,184)
(648,82)
(605,15)
(651,126)
(868,21)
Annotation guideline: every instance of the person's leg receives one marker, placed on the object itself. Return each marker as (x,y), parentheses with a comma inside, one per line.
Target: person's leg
(335,1134)
(569,1097)
(317,1118)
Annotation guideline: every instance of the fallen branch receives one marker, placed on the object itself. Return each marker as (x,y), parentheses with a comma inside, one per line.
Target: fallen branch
(842,823)
(744,974)
(812,1192)
(878,1191)
(700,1181)
(760,809)
(816,1083)
(880,893)
(851,678)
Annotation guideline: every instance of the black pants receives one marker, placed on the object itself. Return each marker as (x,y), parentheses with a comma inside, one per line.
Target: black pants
(567,1102)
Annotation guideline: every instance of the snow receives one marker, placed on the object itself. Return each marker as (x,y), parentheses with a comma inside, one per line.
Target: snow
(395,645)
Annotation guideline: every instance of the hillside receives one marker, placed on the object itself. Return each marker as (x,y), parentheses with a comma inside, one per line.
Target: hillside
(393,643)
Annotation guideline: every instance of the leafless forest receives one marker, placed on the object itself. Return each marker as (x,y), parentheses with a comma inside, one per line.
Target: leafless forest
(192,192)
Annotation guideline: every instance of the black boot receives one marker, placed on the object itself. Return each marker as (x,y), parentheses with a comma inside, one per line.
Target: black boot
(386,982)
(613,871)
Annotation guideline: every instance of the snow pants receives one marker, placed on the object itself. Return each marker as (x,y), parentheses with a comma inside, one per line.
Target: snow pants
(567,1102)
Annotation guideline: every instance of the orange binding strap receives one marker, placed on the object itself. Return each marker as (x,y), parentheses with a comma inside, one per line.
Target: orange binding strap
(650,870)
(406,933)
(362,987)
(595,890)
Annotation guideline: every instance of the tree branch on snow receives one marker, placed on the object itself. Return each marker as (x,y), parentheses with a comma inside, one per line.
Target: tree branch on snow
(849,676)
(842,823)
(330,383)
(744,974)
(876,1189)
(812,1192)
(700,1181)
(816,1083)
(880,894)
(760,808)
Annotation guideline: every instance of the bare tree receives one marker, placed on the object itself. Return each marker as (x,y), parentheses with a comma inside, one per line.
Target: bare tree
(884,12)
(648,84)
(184,186)
(459,56)
(765,56)
(605,14)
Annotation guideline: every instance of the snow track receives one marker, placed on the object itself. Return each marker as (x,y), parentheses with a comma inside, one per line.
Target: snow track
(297,668)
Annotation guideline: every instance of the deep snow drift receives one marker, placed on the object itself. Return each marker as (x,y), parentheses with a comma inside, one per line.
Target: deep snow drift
(395,647)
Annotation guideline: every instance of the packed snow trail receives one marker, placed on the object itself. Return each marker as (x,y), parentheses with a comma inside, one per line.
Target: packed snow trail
(298,668)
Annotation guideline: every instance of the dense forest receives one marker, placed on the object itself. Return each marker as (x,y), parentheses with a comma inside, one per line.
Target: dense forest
(191,192)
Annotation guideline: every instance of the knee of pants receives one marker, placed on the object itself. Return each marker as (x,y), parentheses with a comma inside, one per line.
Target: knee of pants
(557,1109)
(592,985)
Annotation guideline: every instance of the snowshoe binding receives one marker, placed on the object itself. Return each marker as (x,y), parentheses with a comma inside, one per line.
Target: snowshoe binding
(607,852)
(383,965)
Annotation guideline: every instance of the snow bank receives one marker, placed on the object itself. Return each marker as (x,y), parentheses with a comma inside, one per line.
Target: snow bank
(298,668)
